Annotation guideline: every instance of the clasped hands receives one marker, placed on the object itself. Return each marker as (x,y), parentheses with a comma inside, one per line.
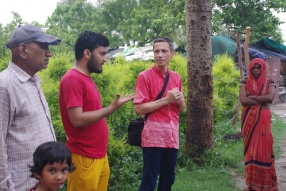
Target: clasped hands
(252,97)
(175,95)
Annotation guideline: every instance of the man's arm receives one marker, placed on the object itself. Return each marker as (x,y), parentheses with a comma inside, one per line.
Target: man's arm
(181,104)
(6,183)
(78,118)
(172,96)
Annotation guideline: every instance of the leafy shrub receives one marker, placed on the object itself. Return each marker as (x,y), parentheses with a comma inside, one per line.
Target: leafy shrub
(50,84)
(4,63)
(126,164)
(57,68)
(179,64)
(226,86)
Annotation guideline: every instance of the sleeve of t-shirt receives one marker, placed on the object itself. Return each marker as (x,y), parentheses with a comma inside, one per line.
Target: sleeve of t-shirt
(72,90)
(142,94)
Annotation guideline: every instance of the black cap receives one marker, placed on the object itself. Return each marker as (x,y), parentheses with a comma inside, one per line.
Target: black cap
(29,33)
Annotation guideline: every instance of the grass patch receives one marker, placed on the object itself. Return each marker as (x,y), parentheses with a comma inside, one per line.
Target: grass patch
(214,173)
(205,179)
(279,133)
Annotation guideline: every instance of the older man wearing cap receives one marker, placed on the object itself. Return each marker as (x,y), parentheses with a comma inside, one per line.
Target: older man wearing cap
(25,120)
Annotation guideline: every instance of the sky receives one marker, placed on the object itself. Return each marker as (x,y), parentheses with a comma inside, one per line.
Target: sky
(29,10)
(282,17)
(39,10)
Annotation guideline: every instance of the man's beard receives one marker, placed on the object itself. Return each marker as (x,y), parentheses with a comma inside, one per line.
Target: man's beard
(91,68)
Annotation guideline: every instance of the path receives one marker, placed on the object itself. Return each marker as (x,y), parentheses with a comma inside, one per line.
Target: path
(280,162)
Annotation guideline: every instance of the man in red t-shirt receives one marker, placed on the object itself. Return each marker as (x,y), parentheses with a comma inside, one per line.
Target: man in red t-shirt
(83,116)
(160,136)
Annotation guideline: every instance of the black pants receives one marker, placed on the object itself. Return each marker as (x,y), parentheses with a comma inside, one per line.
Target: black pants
(158,161)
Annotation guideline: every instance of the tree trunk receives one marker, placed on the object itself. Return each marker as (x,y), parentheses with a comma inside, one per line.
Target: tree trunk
(199,132)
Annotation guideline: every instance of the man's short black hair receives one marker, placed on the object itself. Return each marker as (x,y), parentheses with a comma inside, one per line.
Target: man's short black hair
(49,153)
(89,40)
(165,39)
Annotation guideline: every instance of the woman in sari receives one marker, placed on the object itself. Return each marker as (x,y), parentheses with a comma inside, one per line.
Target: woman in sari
(256,94)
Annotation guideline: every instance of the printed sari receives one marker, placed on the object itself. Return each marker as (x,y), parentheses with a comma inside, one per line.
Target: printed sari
(258,141)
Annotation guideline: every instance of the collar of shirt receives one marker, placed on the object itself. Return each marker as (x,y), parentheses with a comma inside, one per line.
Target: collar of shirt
(21,74)
(157,71)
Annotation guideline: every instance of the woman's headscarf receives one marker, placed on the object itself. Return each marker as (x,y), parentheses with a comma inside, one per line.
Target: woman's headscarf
(254,85)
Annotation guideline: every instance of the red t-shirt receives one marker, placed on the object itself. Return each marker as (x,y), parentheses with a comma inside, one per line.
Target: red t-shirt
(79,90)
(162,126)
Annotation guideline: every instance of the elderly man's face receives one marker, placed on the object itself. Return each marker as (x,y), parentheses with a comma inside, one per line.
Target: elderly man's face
(37,57)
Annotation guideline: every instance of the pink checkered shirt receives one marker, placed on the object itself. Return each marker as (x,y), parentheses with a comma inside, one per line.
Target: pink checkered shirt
(25,123)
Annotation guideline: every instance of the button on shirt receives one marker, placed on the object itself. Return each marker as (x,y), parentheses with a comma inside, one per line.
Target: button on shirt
(25,123)
(162,126)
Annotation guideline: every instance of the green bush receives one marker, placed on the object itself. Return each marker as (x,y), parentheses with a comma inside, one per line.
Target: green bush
(57,67)
(4,61)
(226,87)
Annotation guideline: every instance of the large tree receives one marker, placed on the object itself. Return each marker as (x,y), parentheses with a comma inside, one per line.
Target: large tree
(199,132)
(69,19)
(115,14)
(257,14)
(142,21)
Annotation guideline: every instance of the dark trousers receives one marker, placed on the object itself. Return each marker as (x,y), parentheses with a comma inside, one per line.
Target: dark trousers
(158,161)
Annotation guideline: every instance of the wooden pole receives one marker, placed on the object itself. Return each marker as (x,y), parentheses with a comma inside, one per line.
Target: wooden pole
(239,55)
(236,111)
(247,62)
(246,42)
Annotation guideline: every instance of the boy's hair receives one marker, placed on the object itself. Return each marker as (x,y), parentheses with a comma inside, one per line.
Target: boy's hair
(89,40)
(49,153)
(165,39)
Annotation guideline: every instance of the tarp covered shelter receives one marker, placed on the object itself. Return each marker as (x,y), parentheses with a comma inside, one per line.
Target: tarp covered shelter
(271,44)
(224,44)
(271,48)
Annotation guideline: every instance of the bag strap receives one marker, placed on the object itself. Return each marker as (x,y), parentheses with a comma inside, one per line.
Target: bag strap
(160,94)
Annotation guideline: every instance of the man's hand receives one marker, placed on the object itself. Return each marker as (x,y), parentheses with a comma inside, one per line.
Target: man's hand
(119,101)
(174,95)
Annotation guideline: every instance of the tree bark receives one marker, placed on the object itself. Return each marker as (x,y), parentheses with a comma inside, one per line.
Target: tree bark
(199,132)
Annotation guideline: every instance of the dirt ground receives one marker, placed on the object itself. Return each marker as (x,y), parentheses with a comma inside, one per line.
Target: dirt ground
(280,162)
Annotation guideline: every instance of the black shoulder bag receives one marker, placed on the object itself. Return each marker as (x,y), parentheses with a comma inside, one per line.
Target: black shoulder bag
(136,126)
